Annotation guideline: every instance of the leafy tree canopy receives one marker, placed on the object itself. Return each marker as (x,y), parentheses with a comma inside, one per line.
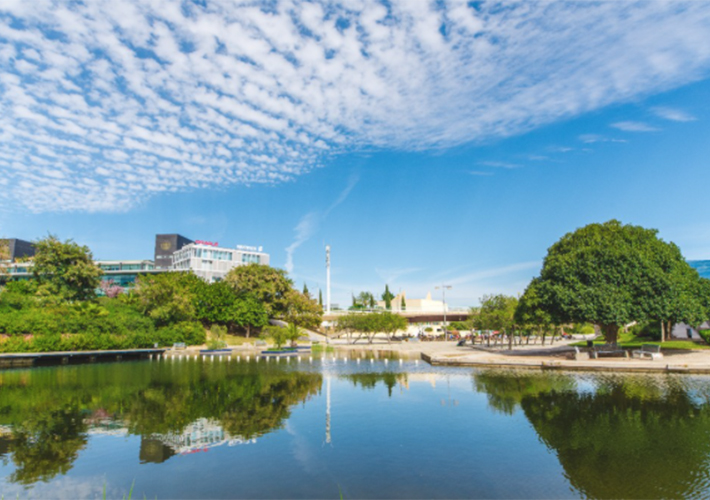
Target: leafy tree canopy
(65,270)
(496,312)
(169,297)
(266,284)
(612,274)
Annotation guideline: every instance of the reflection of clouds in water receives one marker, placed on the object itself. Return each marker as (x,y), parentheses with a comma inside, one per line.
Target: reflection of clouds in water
(302,451)
(66,487)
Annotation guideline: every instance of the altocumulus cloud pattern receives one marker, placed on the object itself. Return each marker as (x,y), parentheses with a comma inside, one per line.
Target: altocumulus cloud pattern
(103,103)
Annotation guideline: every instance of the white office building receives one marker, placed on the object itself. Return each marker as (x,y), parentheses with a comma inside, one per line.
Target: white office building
(212,263)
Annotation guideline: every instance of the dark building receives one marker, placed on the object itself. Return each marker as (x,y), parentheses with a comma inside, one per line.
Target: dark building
(165,246)
(12,249)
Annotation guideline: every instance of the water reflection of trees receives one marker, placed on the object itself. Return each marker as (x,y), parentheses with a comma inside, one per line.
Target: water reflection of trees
(370,380)
(629,437)
(49,412)
(506,389)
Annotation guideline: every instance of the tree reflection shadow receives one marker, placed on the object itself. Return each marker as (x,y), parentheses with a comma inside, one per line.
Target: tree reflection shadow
(626,437)
(48,414)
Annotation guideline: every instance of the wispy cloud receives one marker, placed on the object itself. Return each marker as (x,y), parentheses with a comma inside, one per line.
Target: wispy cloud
(496,272)
(673,114)
(306,227)
(104,104)
(560,149)
(592,138)
(390,276)
(480,173)
(309,224)
(499,164)
(631,126)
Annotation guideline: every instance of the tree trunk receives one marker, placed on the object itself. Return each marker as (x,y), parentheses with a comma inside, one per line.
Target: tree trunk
(510,341)
(668,330)
(248,330)
(611,333)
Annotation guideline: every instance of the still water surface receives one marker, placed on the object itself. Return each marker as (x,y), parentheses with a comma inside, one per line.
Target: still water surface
(218,429)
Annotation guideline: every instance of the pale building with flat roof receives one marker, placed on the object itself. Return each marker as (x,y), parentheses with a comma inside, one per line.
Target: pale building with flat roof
(212,263)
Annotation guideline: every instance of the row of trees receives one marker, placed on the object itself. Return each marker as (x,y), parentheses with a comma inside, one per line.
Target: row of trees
(369,325)
(607,274)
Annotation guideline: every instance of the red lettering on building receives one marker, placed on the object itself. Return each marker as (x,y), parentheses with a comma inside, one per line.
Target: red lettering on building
(210,243)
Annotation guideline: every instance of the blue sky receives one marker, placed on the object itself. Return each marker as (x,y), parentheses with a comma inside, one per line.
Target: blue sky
(427,143)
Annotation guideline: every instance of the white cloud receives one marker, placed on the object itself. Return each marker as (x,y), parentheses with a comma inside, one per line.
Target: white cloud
(309,223)
(196,96)
(673,114)
(630,126)
(592,138)
(480,173)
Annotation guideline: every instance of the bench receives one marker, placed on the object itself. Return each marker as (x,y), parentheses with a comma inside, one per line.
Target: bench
(653,351)
(179,345)
(577,354)
(608,350)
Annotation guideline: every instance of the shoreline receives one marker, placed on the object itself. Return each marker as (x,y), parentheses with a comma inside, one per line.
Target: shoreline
(434,353)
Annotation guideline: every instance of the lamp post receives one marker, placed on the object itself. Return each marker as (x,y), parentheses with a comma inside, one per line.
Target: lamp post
(443,292)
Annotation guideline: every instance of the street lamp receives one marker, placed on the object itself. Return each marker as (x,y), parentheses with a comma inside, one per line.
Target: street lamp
(443,291)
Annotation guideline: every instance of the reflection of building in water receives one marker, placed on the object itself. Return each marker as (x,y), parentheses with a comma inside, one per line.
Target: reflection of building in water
(201,434)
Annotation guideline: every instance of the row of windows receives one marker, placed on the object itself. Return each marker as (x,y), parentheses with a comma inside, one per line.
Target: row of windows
(126,267)
(248,258)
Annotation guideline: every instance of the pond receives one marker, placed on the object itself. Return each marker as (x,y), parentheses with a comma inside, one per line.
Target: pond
(351,429)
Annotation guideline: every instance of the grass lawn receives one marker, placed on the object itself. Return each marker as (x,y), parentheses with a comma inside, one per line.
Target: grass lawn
(630,341)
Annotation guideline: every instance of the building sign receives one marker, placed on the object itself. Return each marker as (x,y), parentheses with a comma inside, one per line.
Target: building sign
(249,249)
(208,243)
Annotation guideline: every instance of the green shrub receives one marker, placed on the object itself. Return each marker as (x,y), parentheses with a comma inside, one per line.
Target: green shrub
(705,335)
(15,344)
(190,332)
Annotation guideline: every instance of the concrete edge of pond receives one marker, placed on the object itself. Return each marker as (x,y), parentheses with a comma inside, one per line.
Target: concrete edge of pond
(659,366)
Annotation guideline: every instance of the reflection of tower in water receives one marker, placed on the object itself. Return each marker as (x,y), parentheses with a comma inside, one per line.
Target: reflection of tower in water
(327,410)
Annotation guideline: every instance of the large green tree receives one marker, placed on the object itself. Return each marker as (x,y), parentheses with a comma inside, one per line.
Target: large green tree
(219,303)
(613,274)
(65,270)
(168,297)
(267,284)
(273,288)
(301,310)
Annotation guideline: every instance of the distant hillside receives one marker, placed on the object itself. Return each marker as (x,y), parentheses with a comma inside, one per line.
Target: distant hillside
(703,267)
